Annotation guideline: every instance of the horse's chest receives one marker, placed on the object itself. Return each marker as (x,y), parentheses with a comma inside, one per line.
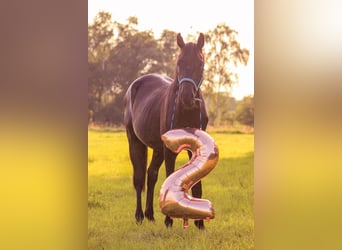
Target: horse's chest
(189,118)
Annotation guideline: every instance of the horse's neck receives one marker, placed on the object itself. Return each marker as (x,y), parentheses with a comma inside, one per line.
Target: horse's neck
(173,88)
(182,117)
(172,93)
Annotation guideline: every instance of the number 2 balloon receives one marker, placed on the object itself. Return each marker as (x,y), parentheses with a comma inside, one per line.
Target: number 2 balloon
(174,198)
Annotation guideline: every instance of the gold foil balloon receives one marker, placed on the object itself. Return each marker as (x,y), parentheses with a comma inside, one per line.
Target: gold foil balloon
(174,198)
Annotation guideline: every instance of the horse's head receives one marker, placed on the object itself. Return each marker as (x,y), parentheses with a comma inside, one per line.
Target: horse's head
(190,66)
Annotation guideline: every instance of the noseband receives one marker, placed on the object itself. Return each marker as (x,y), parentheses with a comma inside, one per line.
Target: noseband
(187,79)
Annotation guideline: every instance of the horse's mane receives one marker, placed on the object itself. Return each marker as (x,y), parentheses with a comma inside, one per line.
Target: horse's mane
(192,48)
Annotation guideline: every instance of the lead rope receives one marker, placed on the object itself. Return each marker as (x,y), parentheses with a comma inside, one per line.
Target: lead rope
(174,110)
(200,117)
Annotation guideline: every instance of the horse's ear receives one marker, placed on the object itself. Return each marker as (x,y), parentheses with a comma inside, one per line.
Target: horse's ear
(200,41)
(180,41)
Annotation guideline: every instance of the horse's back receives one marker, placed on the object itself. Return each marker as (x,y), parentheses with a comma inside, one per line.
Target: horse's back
(143,102)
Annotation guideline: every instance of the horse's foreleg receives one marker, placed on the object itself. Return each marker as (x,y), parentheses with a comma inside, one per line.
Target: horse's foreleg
(170,159)
(152,176)
(197,193)
(138,156)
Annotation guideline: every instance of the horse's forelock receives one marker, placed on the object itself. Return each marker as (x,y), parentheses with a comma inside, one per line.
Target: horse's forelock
(191,49)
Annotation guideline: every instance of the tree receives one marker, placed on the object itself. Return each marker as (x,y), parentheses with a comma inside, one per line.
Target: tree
(223,54)
(100,43)
(227,115)
(133,55)
(245,111)
(100,37)
(169,51)
(117,54)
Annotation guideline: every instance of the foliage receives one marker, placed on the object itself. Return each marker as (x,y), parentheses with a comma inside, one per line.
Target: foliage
(111,198)
(100,37)
(100,44)
(169,51)
(227,114)
(223,55)
(245,111)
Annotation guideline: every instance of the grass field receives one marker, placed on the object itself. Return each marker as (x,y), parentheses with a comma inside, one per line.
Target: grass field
(111,198)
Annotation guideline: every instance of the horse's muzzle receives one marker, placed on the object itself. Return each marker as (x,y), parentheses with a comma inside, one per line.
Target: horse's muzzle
(189,103)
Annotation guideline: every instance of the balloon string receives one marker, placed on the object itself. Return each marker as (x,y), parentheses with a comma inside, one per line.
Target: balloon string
(185,223)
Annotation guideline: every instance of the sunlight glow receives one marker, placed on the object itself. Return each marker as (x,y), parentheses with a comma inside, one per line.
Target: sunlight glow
(189,18)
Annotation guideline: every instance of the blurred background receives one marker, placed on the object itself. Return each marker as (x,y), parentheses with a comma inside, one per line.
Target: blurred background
(45,115)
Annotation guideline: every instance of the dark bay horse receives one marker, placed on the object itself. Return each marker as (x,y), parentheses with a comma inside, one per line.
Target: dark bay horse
(155,104)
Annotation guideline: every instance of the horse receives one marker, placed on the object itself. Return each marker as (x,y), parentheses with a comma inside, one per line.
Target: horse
(155,104)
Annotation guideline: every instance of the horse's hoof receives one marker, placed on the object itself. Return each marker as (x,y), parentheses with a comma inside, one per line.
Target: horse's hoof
(149,215)
(139,217)
(139,220)
(168,221)
(199,224)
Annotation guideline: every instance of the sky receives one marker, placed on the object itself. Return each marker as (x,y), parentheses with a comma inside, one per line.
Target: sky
(189,17)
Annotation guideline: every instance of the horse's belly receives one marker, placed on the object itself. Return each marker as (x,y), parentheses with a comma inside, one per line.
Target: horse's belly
(149,135)
(147,128)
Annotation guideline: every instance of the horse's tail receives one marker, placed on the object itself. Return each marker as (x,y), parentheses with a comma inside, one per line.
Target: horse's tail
(127,107)
(129,100)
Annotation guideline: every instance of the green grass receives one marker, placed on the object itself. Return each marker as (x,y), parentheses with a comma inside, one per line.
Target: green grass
(111,198)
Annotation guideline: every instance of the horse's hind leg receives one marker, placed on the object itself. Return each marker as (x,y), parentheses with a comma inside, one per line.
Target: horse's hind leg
(152,176)
(138,155)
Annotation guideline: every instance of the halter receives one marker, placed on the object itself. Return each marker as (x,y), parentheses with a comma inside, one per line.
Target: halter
(197,87)
(187,79)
